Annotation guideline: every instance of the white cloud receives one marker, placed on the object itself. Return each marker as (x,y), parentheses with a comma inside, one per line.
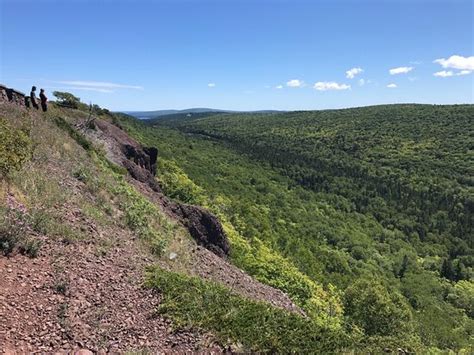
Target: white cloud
(361,82)
(295,83)
(212,85)
(400,70)
(84,88)
(457,62)
(413,78)
(392,86)
(98,84)
(279,87)
(330,85)
(351,73)
(444,73)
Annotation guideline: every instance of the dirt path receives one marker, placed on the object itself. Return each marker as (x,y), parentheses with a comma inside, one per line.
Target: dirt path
(79,296)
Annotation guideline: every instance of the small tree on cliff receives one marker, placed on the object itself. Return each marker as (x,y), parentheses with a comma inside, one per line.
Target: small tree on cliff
(67,99)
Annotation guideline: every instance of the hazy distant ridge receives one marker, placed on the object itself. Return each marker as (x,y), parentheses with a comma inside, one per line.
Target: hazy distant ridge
(158,113)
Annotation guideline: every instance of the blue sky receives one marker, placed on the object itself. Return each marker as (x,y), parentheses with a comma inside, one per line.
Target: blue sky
(242,55)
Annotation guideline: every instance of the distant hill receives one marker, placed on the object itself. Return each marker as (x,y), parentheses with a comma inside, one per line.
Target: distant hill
(158,113)
(185,112)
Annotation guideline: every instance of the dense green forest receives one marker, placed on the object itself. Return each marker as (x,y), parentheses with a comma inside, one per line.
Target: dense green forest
(365,217)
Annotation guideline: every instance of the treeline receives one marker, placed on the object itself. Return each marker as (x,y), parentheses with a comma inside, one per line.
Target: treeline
(410,166)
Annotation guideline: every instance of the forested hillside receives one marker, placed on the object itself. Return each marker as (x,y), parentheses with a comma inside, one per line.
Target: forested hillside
(376,204)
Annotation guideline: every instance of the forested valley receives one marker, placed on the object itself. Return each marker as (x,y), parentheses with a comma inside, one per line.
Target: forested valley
(364,216)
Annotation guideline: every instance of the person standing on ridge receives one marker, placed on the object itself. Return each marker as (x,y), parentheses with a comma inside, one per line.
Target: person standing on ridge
(33,97)
(43,99)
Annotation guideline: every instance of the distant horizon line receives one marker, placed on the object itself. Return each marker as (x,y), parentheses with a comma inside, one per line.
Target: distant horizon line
(178,110)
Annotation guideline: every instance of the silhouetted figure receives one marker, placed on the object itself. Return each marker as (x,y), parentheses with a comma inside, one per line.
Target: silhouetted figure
(34,103)
(43,99)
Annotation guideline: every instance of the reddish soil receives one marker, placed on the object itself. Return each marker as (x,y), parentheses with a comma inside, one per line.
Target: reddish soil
(86,293)
(79,296)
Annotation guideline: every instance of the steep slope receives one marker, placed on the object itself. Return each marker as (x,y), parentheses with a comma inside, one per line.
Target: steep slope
(81,220)
(83,288)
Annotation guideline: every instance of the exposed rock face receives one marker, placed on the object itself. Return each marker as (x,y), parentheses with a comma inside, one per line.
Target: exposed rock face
(141,163)
(141,174)
(13,96)
(144,157)
(126,148)
(153,154)
(204,227)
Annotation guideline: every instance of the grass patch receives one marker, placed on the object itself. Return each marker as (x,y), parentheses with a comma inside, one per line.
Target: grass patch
(139,214)
(192,302)
(15,230)
(79,138)
(15,147)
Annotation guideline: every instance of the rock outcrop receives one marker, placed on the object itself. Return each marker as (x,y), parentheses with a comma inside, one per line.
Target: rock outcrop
(144,157)
(141,164)
(13,96)
(204,227)
(141,174)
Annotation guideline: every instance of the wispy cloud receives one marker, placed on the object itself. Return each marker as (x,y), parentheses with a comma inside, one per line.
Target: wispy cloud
(330,85)
(400,70)
(295,83)
(444,73)
(351,73)
(98,85)
(279,87)
(361,82)
(457,62)
(84,88)
(448,73)
(392,86)
(211,85)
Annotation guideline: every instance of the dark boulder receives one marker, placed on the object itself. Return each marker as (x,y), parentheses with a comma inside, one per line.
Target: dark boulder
(204,227)
(145,158)
(141,174)
(153,154)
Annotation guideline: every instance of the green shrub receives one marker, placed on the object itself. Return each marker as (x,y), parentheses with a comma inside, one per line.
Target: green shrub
(67,99)
(139,214)
(377,311)
(177,185)
(15,147)
(30,247)
(79,138)
(15,230)
(192,302)
(462,296)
